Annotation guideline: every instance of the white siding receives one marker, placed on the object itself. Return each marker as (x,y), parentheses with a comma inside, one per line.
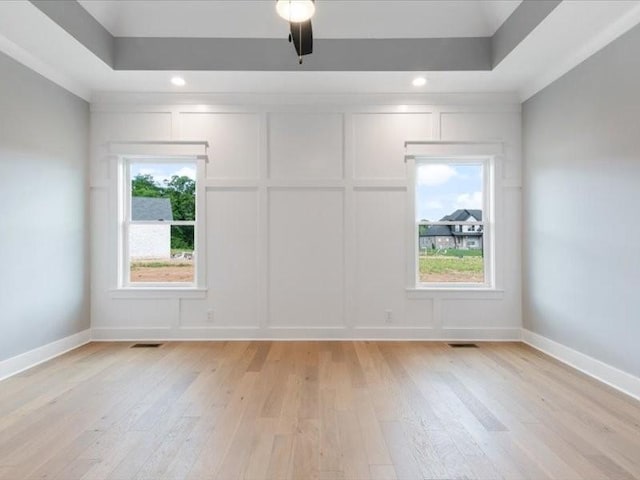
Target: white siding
(149,241)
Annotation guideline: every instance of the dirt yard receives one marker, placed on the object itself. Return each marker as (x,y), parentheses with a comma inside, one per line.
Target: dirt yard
(452,277)
(162,271)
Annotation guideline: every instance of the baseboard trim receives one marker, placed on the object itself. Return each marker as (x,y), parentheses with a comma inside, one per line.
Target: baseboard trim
(24,361)
(603,372)
(614,377)
(305,333)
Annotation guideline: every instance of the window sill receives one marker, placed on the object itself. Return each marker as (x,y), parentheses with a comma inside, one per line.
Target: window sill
(481,293)
(165,292)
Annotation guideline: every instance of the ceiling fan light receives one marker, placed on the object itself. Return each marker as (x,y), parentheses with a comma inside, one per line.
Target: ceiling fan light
(295,11)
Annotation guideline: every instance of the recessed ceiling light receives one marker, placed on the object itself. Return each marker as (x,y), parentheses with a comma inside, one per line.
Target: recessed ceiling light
(178,81)
(419,82)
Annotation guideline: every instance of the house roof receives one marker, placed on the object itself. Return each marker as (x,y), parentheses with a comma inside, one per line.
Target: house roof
(150,209)
(459,215)
(437,231)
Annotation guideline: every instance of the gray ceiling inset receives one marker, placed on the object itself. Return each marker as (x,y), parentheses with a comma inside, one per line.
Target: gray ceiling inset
(522,21)
(332,19)
(258,54)
(87,30)
(408,54)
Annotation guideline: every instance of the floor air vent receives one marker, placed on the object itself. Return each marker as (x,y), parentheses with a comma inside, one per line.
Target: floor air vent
(146,345)
(463,345)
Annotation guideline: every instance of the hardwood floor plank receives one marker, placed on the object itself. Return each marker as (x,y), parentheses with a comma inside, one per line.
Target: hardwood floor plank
(330,451)
(372,436)
(138,456)
(272,406)
(260,357)
(305,462)
(58,459)
(280,461)
(404,463)
(313,410)
(354,457)
(215,447)
(353,365)
(382,472)
(484,416)
(75,470)
(158,463)
(261,453)
(108,452)
(609,469)
(244,441)
(192,446)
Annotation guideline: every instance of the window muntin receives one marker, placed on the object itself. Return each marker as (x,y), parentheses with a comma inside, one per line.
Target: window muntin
(451,206)
(159,223)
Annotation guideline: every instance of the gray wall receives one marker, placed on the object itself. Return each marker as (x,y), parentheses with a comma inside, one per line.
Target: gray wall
(44,135)
(582,207)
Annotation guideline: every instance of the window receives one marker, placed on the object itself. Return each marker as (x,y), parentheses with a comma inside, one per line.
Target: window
(158,222)
(452,214)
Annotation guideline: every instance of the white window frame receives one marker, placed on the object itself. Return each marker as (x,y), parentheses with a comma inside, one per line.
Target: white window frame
(124,221)
(488,163)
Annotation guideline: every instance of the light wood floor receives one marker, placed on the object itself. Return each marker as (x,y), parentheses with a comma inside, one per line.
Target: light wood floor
(313,410)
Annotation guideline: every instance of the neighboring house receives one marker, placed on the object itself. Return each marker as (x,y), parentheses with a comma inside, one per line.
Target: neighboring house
(453,236)
(150,241)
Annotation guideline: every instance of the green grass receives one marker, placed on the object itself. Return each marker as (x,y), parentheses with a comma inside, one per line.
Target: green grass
(442,264)
(137,265)
(452,252)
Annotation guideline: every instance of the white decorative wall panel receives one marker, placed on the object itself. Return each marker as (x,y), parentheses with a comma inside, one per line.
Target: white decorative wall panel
(123,126)
(481,126)
(233,257)
(419,314)
(380,257)
(306,257)
(130,126)
(306,227)
(234,141)
(144,313)
(305,145)
(378,142)
(478,313)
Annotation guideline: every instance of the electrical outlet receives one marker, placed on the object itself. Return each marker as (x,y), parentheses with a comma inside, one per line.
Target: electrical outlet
(388,316)
(210,316)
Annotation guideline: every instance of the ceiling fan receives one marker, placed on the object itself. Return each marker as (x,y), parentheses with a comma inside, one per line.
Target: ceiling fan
(298,13)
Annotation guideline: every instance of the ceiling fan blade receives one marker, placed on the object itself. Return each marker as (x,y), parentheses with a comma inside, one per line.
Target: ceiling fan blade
(302,36)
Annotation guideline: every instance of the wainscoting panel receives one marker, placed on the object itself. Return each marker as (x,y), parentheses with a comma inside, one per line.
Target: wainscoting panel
(306,219)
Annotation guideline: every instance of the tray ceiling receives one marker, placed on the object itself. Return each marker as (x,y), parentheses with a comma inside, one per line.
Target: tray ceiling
(333,19)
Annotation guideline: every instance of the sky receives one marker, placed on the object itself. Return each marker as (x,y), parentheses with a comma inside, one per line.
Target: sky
(442,189)
(163,171)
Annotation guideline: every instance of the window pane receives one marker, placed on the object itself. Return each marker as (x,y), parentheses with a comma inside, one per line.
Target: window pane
(163,191)
(449,192)
(450,258)
(161,253)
